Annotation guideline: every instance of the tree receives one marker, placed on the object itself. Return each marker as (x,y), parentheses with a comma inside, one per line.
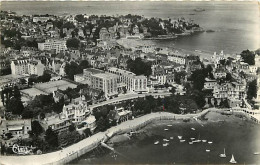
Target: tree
(22,81)
(51,137)
(139,67)
(73,43)
(16,93)
(228,77)
(36,128)
(252,90)
(15,106)
(27,114)
(46,77)
(173,90)
(179,76)
(84,64)
(248,57)
(79,18)
(67,138)
(124,90)
(87,132)
(72,128)
(198,78)
(224,103)
(102,124)
(72,69)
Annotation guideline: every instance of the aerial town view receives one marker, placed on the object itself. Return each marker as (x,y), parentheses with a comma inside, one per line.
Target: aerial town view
(129,82)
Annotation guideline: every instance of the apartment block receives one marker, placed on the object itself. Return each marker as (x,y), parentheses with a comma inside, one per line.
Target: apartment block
(106,82)
(57,45)
(26,66)
(130,80)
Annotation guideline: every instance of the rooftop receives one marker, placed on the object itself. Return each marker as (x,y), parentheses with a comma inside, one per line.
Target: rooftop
(93,70)
(105,75)
(125,72)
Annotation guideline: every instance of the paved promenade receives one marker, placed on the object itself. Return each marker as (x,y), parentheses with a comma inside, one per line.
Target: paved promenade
(74,151)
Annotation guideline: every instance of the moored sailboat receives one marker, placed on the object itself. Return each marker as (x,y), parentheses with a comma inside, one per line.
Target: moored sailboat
(223,155)
(232,160)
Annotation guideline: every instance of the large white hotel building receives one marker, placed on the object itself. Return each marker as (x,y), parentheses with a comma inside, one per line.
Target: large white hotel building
(57,45)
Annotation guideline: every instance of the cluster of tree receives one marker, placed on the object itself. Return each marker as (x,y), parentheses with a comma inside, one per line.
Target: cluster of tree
(226,61)
(179,77)
(74,68)
(36,79)
(36,129)
(198,77)
(41,105)
(5,71)
(80,18)
(31,43)
(11,99)
(252,90)
(139,67)
(248,57)
(174,104)
(69,137)
(102,119)
(73,43)
(146,105)
(18,43)
(10,33)
(51,138)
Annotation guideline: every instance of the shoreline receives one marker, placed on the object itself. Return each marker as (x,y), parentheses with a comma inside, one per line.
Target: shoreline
(75,151)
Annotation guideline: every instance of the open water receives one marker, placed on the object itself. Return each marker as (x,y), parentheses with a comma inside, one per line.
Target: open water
(239,138)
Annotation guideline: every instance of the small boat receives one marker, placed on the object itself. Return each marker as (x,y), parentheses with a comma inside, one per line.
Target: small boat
(207,150)
(157,142)
(180,137)
(171,138)
(204,141)
(256,153)
(169,125)
(223,155)
(193,129)
(192,138)
(196,141)
(232,160)
(165,144)
(166,140)
(182,141)
(190,142)
(210,142)
(166,129)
